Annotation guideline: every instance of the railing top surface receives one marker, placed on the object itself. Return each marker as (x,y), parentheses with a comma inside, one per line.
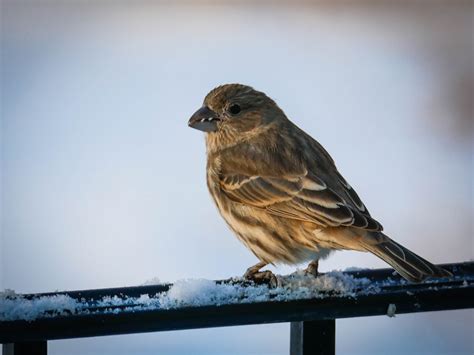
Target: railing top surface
(138,309)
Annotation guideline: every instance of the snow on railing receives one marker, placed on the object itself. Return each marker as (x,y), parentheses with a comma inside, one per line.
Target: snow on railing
(309,303)
(189,293)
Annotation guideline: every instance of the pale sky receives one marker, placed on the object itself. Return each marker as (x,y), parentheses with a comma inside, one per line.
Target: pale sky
(103,183)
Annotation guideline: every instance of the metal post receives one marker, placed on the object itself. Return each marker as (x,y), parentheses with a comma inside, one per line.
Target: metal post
(26,348)
(313,337)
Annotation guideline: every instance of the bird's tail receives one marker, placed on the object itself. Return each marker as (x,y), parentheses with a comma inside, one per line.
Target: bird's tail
(409,265)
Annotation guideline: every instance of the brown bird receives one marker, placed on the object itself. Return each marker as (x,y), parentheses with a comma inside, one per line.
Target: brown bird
(280,192)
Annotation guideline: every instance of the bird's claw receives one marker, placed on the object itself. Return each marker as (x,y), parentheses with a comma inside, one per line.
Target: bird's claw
(312,269)
(263,277)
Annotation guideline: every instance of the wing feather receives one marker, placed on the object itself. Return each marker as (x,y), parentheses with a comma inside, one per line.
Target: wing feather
(305,197)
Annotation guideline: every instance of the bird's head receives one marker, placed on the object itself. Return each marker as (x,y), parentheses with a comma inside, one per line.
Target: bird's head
(234,110)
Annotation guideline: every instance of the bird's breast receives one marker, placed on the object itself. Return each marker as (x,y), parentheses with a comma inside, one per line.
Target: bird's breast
(271,238)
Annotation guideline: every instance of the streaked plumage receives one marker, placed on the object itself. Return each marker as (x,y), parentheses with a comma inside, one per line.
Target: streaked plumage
(279,190)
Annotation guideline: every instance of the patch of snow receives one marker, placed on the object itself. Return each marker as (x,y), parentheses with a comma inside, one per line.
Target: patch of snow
(189,293)
(8,293)
(14,307)
(152,282)
(391,310)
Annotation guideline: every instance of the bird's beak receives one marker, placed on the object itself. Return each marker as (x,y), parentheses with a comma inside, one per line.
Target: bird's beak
(204,119)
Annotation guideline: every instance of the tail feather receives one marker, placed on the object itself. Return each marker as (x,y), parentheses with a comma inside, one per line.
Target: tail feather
(409,265)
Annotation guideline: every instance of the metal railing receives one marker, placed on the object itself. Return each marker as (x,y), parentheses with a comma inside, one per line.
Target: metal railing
(312,320)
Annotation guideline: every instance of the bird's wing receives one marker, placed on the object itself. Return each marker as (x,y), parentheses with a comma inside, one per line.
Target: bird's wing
(303,196)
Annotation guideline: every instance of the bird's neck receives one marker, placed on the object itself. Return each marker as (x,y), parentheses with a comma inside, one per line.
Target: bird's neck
(225,139)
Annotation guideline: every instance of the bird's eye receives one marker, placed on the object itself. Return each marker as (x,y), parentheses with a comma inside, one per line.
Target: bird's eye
(234,109)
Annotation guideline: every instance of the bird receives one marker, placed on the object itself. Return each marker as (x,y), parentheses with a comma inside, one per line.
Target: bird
(280,192)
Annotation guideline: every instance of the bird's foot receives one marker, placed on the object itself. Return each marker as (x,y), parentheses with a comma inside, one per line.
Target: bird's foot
(264,277)
(312,268)
(261,277)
